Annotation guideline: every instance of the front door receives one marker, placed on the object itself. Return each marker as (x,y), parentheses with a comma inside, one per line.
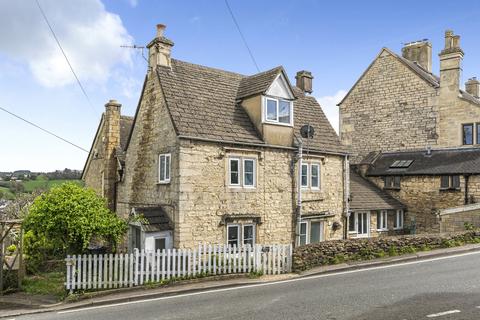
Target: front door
(363,224)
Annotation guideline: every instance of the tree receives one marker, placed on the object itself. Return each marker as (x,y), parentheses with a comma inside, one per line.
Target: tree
(67,218)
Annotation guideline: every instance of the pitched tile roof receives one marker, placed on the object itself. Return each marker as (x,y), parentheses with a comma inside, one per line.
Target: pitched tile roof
(364,195)
(257,83)
(440,162)
(203,102)
(125,128)
(156,217)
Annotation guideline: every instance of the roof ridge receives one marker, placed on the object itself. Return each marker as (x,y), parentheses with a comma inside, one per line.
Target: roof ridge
(208,68)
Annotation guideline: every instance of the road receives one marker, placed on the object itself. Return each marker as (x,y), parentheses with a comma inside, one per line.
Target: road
(441,288)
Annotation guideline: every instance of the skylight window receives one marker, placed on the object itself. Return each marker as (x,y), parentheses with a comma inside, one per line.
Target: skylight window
(401,164)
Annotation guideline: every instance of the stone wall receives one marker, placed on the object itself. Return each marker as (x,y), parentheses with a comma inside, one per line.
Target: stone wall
(390,108)
(423,198)
(152,134)
(205,196)
(323,253)
(93,173)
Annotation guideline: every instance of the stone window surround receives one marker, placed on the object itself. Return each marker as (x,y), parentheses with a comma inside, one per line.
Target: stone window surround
(241,174)
(241,232)
(276,122)
(309,164)
(393,185)
(167,170)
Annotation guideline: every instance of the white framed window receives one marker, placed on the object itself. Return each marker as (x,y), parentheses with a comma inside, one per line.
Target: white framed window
(233,235)
(398,222)
(382,220)
(249,234)
(234,171)
(315,176)
(242,172)
(303,233)
(238,234)
(164,166)
(304,175)
(311,232)
(249,173)
(278,111)
(359,223)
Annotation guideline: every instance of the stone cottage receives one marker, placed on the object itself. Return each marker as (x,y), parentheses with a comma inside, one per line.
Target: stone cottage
(213,156)
(414,134)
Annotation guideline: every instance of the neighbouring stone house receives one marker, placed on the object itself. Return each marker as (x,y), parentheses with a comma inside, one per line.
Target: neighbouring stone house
(214,157)
(416,135)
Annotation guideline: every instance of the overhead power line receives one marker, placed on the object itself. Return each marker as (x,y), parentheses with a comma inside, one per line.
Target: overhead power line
(65,55)
(241,35)
(44,130)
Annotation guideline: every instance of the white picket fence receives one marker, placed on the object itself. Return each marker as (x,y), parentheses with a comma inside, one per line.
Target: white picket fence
(105,271)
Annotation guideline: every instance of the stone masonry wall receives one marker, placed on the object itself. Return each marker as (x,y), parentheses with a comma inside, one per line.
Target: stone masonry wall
(93,175)
(205,195)
(153,134)
(317,254)
(391,108)
(456,221)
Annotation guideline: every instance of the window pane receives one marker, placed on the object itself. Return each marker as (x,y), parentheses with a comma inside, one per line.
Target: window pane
(315,229)
(284,112)
(234,177)
(315,176)
(162,168)
(249,172)
(351,222)
(384,219)
(248,235)
(232,235)
(478,134)
(387,182)
(364,223)
(379,220)
(396,182)
(455,182)
(468,134)
(304,175)
(167,167)
(303,233)
(160,244)
(271,110)
(444,182)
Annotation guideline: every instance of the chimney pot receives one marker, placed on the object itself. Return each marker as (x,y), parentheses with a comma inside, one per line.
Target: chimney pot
(304,81)
(160,30)
(472,86)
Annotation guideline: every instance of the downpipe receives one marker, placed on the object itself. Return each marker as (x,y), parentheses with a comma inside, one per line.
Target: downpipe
(299,190)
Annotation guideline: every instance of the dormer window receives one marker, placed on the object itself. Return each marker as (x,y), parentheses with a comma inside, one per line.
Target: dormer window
(278,111)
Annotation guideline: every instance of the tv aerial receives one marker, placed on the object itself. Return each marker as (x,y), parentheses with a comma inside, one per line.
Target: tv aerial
(307,132)
(140,48)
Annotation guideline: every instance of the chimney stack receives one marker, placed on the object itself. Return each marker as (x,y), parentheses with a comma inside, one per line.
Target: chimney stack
(419,52)
(304,81)
(472,86)
(111,142)
(159,49)
(450,66)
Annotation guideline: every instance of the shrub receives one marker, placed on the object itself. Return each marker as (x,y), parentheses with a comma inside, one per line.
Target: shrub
(64,221)
(469,226)
(11,249)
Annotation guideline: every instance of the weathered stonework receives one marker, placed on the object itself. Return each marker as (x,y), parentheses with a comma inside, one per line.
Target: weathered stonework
(390,108)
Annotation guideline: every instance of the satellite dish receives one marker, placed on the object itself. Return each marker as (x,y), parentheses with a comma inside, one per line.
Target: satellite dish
(307,131)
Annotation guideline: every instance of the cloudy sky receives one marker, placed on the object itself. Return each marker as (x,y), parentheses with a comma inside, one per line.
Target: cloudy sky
(336,41)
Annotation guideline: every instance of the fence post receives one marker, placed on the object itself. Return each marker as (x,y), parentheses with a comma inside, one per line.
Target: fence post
(67,284)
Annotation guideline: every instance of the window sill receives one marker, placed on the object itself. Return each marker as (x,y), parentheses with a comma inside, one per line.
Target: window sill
(392,188)
(278,123)
(449,189)
(382,230)
(163,183)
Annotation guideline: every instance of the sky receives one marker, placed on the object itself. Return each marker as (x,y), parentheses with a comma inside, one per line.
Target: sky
(335,40)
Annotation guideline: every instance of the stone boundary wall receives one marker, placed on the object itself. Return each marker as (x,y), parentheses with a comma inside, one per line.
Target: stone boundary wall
(338,251)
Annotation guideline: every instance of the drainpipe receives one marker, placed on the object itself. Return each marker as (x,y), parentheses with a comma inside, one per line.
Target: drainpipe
(346,194)
(466,177)
(299,190)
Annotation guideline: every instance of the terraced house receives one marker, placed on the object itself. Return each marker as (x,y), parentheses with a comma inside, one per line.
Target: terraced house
(416,136)
(213,156)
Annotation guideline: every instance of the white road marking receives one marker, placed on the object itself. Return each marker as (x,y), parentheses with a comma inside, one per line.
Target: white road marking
(269,283)
(434,315)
